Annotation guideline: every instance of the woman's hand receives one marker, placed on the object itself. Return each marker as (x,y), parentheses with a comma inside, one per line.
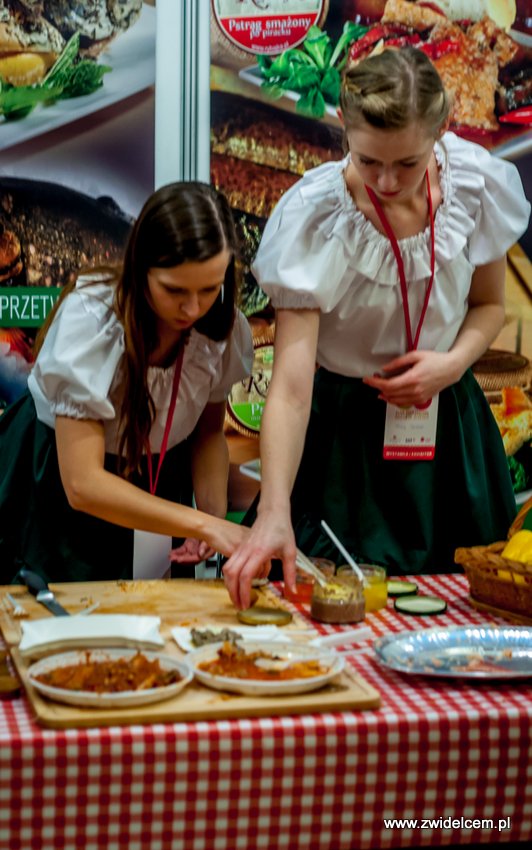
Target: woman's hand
(192,551)
(271,537)
(423,374)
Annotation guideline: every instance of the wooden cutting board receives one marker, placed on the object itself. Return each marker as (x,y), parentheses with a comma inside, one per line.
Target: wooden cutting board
(179,602)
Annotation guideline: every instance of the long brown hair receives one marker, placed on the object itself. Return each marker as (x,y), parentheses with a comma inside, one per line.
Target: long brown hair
(180,222)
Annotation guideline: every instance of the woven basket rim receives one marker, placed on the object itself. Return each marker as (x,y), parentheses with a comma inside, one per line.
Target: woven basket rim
(477,557)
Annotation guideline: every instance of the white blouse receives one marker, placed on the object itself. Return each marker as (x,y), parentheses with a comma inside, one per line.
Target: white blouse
(319,251)
(79,370)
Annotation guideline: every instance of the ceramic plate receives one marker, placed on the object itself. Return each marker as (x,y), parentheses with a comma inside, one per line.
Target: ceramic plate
(51,634)
(131,55)
(466,652)
(289,652)
(123,699)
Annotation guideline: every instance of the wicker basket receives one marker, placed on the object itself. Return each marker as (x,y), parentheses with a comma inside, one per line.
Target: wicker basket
(497,582)
(498,369)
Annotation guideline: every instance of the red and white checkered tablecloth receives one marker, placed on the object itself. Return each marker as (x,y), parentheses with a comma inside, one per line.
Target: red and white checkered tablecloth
(436,751)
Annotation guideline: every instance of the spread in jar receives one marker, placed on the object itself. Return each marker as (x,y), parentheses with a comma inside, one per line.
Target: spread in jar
(341,600)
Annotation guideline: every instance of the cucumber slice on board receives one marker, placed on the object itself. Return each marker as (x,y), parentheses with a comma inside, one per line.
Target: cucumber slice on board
(401,588)
(420,605)
(258,616)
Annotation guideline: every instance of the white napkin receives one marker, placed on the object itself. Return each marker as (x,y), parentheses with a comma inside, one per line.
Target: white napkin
(40,637)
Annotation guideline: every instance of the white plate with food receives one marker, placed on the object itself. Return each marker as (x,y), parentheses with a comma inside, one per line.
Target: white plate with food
(190,639)
(464,652)
(264,668)
(51,634)
(109,678)
(131,55)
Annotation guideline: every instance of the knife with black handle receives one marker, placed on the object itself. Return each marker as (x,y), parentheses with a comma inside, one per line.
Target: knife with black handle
(38,587)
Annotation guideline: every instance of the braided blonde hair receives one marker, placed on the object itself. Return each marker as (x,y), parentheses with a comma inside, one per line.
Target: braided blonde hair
(391,89)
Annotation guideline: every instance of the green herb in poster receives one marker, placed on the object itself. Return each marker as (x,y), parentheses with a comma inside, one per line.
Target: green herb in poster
(68,77)
(313,71)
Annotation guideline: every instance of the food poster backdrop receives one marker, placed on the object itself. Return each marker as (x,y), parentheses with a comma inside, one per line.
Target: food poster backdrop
(76,152)
(275,77)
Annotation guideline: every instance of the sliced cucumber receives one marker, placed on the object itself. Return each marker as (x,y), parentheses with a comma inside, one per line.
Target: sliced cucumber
(420,605)
(258,616)
(401,588)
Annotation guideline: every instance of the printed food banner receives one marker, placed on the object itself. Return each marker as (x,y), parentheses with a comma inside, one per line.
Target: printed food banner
(76,152)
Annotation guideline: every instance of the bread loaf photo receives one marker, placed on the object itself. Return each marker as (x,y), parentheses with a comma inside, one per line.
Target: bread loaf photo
(261,134)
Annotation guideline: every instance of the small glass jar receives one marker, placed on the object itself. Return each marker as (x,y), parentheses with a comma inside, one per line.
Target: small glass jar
(341,600)
(305,582)
(375,585)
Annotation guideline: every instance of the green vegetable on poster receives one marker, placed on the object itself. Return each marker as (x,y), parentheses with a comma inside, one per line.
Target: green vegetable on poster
(68,77)
(313,71)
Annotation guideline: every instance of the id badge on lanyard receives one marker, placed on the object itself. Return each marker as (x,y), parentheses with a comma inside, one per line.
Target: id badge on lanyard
(410,432)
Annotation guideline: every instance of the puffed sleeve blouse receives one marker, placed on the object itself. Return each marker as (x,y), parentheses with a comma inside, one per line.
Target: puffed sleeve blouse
(79,370)
(318,251)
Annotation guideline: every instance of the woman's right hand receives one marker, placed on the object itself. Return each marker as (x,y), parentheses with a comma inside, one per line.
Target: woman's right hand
(270,537)
(283,426)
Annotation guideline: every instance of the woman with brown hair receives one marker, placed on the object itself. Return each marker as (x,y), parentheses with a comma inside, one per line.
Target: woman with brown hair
(133,366)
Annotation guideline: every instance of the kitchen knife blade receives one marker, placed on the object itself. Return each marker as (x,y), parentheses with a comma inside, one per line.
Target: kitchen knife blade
(38,587)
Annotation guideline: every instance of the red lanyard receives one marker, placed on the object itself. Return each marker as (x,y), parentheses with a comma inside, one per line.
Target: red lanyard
(169,418)
(412,341)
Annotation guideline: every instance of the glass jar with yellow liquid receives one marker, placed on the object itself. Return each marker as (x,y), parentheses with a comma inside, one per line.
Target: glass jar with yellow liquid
(375,585)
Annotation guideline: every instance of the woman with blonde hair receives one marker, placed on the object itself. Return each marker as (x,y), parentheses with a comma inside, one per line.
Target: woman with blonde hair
(387,269)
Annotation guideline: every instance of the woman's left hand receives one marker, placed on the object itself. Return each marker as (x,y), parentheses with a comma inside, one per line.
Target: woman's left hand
(415,378)
(192,551)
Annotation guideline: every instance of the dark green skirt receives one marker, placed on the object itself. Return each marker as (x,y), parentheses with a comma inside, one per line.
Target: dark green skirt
(39,529)
(409,516)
